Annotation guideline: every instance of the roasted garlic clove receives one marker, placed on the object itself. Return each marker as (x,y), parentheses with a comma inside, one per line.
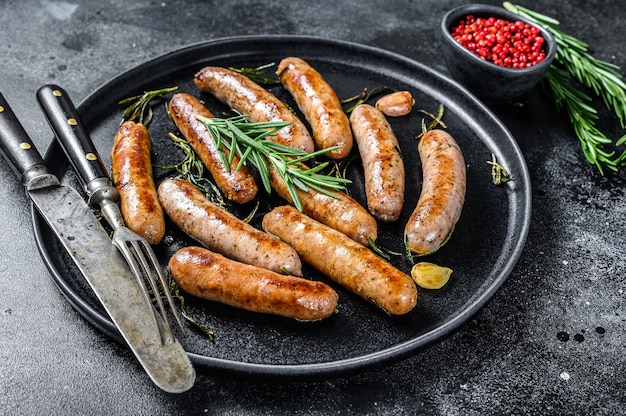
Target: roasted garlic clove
(430,275)
(396,104)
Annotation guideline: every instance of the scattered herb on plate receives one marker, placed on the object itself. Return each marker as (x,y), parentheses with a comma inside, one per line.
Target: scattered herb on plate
(139,109)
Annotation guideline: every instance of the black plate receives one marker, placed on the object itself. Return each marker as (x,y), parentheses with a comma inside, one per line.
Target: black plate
(486,244)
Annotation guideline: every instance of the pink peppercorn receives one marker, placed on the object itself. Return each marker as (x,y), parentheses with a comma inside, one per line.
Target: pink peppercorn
(508,44)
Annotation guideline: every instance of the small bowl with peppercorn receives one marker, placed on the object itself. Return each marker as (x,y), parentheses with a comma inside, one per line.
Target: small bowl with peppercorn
(496,54)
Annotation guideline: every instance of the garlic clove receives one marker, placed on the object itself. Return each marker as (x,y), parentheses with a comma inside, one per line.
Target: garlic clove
(396,104)
(430,276)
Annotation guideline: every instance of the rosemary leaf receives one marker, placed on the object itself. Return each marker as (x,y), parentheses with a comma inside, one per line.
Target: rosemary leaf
(139,108)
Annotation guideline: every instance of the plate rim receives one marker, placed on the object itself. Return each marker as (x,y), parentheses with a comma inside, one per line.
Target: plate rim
(325,369)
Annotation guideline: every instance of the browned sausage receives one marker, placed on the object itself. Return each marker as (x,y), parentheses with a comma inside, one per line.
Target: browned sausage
(131,166)
(320,105)
(221,231)
(382,162)
(345,261)
(443,193)
(255,102)
(212,276)
(342,212)
(237,185)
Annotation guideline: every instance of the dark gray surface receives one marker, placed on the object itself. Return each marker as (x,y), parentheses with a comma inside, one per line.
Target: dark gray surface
(511,358)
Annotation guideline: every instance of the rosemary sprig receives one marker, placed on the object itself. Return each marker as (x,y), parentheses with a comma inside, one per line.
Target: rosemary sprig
(256,74)
(248,141)
(436,120)
(573,60)
(499,175)
(176,293)
(191,168)
(364,96)
(339,168)
(583,117)
(139,108)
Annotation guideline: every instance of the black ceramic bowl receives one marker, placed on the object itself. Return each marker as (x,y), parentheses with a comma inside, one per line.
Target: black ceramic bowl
(486,80)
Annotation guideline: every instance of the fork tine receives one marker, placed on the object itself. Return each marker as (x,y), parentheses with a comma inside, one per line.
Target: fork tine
(165,284)
(154,266)
(151,265)
(137,248)
(136,268)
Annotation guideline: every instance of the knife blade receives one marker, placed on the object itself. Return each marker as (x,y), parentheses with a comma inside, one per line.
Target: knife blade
(87,242)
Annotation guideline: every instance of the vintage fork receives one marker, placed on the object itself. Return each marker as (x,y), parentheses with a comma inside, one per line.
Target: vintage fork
(79,148)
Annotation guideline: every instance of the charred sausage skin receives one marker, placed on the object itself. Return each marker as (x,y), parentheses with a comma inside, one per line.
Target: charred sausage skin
(211,276)
(131,167)
(221,231)
(320,105)
(382,162)
(343,260)
(246,96)
(238,185)
(443,193)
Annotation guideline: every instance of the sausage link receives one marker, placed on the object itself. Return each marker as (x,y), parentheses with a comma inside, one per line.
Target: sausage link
(341,212)
(246,96)
(221,231)
(212,276)
(320,105)
(131,167)
(237,185)
(382,162)
(343,260)
(443,193)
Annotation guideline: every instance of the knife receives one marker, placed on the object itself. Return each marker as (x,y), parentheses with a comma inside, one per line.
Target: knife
(87,242)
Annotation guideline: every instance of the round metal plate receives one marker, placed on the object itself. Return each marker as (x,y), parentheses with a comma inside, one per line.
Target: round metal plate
(483,250)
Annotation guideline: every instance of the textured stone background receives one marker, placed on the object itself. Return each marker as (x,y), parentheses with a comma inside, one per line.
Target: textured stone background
(552,341)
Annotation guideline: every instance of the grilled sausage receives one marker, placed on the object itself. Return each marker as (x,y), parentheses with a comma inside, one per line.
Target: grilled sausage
(246,96)
(237,185)
(212,276)
(221,231)
(320,105)
(341,212)
(443,193)
(382,162)
(345,261)
(131,167)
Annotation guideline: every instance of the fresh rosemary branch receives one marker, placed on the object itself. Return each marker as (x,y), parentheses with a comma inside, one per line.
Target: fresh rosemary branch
(364,96)
(176,293)
(191,168)
(139,109)
(582,116)
(248,141)
(256,74)
(573,60)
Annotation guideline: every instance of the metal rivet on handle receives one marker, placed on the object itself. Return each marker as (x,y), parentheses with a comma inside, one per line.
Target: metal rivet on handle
(72,121)
(57,93)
